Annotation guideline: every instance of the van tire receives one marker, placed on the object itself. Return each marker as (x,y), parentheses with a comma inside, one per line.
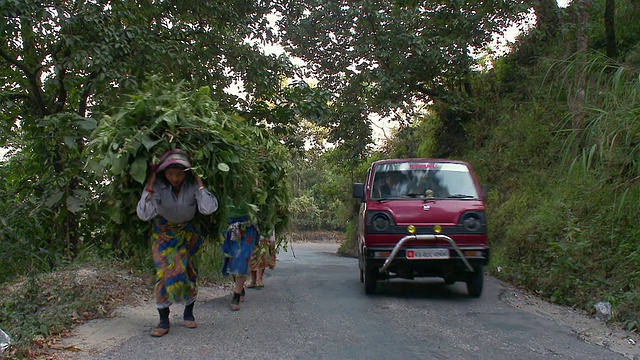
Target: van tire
(370,280)
(361,265)
(475,282)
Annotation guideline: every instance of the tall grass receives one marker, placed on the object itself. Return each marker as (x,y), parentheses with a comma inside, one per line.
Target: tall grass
(611,138)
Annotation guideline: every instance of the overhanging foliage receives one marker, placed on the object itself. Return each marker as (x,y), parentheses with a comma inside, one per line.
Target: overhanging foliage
(238,161)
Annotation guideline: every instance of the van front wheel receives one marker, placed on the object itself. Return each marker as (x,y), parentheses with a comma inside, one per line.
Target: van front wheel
(370,279)
(475,282)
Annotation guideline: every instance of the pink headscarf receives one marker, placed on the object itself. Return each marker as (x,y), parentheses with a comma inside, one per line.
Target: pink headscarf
(171,157)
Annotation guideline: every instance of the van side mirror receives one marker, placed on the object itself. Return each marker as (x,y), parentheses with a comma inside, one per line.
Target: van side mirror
(358,191)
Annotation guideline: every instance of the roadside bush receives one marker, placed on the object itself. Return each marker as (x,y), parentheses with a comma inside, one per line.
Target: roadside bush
(305,214)
(349,246)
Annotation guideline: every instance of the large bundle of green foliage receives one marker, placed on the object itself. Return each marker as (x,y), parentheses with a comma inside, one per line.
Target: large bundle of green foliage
(239,161)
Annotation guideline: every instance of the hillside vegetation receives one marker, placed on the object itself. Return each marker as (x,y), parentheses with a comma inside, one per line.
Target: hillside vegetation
(564,200)
(564,204)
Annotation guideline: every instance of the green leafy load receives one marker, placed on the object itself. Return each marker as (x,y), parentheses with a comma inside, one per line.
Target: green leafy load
(238,161)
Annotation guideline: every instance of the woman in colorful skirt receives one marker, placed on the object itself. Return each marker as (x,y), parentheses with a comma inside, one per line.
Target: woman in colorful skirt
(171,203)
(239,240)
(264,256)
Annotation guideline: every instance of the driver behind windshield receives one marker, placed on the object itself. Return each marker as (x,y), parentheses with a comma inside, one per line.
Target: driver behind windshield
(393,185)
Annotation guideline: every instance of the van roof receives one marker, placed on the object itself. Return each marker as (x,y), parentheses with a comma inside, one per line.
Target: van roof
(428,160)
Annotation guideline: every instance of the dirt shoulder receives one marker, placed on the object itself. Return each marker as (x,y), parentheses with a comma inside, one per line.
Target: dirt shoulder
(585,327)
(100,335)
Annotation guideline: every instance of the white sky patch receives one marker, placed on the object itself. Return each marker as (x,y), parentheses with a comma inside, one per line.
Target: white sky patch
(501,44)
(381,128)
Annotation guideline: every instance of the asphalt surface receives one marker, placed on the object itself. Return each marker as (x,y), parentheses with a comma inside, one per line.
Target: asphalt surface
(313,306)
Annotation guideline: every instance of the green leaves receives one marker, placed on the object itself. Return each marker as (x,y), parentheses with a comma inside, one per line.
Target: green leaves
(76,203)
(149,143)
(235,159)
(138,169)
(118,163)
(54,198)
(63,60)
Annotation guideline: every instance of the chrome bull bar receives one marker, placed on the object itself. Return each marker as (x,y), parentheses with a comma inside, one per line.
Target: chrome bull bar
(400,243)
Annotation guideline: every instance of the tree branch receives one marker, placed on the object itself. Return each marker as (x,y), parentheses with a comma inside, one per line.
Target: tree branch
(62,95)
(31,78)
(82,107)
(433,94)
(15,62)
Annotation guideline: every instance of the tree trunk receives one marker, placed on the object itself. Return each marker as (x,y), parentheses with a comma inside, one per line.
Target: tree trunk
(547,14)
(609,28)
(72,224)
(576,90)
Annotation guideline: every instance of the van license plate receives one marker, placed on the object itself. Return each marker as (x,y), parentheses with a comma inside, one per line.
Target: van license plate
(415,254)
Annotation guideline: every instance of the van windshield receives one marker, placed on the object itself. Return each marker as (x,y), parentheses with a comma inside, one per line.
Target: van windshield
(403,180)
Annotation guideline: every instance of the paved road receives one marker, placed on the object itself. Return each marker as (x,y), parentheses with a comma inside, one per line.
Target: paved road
(313,307)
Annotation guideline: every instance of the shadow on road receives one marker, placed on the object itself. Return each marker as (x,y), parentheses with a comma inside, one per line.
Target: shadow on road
(432,289)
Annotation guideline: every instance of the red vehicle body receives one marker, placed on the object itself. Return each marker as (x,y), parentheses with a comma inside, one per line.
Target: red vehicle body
(422,218)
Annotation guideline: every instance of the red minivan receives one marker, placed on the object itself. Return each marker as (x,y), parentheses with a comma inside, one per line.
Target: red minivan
(422,218)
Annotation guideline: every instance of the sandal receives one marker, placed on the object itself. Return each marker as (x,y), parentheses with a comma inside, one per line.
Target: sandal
(191,324)
(259,285)
(251,285)
(235,302)
(159,332)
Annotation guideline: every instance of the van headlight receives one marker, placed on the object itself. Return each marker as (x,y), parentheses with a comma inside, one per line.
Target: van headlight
(380,222)
(472,222)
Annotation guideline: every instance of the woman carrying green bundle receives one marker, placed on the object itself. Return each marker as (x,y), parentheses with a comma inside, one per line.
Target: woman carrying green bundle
(170,199)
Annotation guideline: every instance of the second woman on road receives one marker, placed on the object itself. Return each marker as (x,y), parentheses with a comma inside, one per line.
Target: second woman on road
(239,240)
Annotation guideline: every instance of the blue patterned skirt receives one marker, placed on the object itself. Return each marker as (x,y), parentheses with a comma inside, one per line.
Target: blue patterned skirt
(239,240)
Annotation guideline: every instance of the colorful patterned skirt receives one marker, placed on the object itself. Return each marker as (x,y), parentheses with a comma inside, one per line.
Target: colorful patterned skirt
(176,254)
(264,254)
(239,240)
